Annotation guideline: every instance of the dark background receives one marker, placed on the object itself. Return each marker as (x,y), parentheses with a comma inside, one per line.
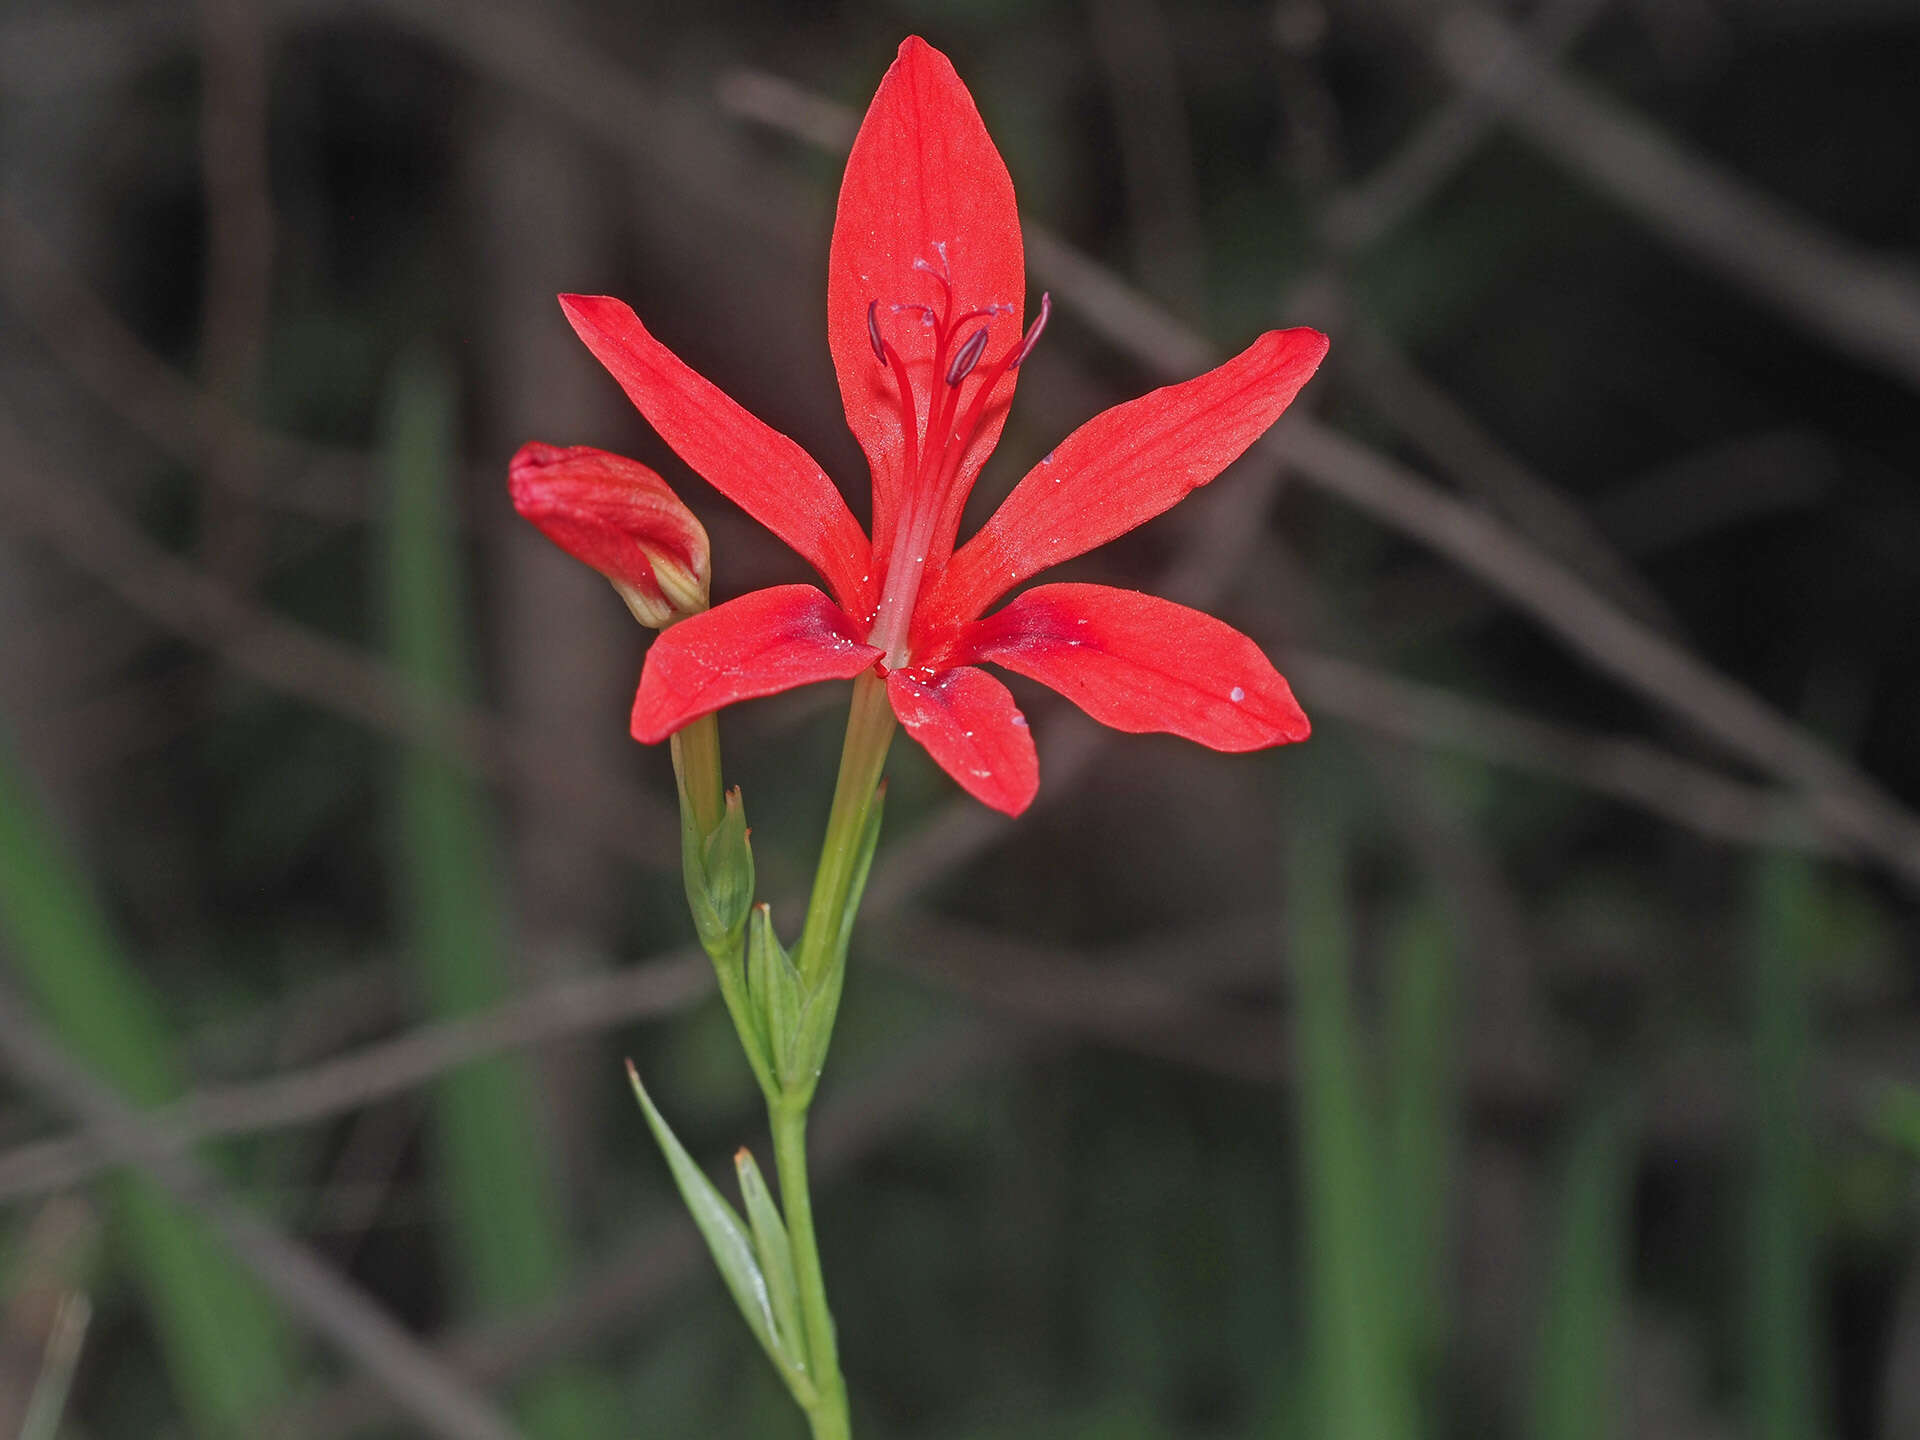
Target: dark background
(1524,1055)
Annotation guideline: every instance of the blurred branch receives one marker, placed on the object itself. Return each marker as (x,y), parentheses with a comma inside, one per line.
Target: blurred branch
(1458,444)
(1862,304)
(414,1378)
(56,50)
(192,425)
(1154,1008)
(1136,54)
(1364,212)
(1843,799)
(93,537)
(614,1292)
(49,1264)
(1726,484)
(1691,498)
(1644,776)
(373,1073)
(237,282)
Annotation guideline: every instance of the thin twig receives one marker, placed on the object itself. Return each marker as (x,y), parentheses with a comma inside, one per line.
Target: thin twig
(1135,48)
(1457,444)
(1644,776)
(1363,214)
(1842,799)
(1862,304)
(191,425)
(92,536)
(374,1072)
(238,280)
(410,1374)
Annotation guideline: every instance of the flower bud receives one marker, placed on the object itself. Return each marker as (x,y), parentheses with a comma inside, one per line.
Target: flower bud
(726,863)
(619,517)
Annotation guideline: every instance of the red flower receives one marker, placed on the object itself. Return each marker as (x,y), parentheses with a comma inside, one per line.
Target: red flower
(924,299)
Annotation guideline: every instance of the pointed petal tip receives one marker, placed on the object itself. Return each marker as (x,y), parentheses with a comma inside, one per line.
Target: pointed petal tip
(1301,346)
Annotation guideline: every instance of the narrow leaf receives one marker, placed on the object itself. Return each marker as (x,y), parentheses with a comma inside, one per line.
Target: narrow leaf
(1422,1122)
(776,1256)
(725,1233)
(1362,1383)
(1576,1382)
(1787,926)
(224,1347)
(507,1244)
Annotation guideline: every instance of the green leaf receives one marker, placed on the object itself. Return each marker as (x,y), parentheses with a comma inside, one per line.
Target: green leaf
(225,1350)
(1788,925)
(776,1256)
(1363,1385)
(508,1246)
(1577,1378)
(1422,1122)
(726,1235)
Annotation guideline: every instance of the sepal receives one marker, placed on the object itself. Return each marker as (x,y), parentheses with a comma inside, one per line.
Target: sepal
(776,995)
(717,867)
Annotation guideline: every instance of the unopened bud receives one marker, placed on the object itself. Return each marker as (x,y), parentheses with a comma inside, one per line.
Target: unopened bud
(619,517)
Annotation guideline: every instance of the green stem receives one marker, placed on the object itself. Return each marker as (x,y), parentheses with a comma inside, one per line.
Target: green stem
(829,1414)
(869,733)
(696,760)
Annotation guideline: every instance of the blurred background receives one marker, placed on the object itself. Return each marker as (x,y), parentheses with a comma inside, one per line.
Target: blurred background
(1526,1055)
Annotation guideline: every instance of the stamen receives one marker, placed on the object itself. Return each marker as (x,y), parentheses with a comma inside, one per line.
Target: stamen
(1032,337)
(967,356)
(873,331)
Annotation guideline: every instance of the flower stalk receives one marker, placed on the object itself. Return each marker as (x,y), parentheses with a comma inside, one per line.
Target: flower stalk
(783,1011)
(925,299)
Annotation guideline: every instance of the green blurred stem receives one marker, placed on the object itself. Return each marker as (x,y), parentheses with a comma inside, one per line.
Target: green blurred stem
(696,760)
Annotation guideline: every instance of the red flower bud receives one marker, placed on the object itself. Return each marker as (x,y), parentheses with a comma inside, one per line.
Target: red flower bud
(619,517)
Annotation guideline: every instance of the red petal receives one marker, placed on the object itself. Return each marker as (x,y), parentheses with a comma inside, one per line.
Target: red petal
(1140,663)
(923,171)
(612,513)
(761,644)
(748,461)
(970,726)
(1125,466)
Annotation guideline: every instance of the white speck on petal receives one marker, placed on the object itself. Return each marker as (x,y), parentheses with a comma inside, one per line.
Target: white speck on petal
(1236,695)
(983,773)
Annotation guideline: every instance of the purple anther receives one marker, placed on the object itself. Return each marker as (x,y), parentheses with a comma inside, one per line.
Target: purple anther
(1032,337)
(967,356)
(873,331)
